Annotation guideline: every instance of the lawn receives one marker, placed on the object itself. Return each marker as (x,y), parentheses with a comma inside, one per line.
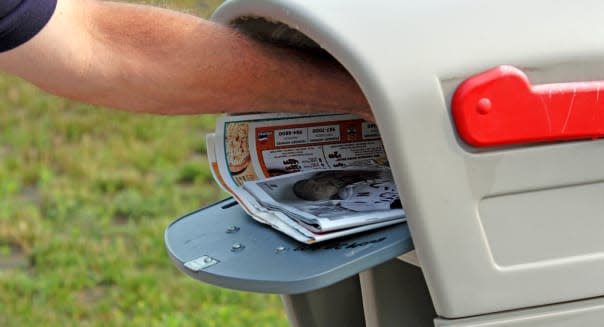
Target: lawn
(85,195)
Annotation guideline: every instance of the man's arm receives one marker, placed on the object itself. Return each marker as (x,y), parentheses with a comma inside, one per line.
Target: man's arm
(146,59)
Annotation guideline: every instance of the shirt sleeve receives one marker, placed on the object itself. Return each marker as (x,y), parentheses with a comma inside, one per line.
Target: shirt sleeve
(21,20)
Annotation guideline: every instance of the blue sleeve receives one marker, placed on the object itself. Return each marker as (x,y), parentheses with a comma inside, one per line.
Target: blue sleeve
(20,20)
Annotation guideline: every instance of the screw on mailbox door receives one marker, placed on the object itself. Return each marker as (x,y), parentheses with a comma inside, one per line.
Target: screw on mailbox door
(236,247)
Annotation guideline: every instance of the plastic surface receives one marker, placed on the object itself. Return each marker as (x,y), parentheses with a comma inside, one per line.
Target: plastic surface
(409,57)
(222,245)
(338,305)
(501,107)
(394,295)
(588,313)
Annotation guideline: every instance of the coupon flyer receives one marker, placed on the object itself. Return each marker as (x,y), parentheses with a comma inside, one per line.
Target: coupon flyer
(312,177)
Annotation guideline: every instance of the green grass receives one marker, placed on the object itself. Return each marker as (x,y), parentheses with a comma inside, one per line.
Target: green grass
(85,195)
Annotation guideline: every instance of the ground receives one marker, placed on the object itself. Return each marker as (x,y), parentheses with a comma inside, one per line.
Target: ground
(85,195)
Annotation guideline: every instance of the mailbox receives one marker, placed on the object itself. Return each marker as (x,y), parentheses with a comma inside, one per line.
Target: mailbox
(509,228)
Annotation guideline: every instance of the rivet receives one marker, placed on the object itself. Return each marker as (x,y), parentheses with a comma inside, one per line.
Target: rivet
(232,229)
(237,247)
(280,249)
(484,106)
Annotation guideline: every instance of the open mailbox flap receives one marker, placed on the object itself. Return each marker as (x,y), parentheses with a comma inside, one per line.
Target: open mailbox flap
(487,224)
(222,245)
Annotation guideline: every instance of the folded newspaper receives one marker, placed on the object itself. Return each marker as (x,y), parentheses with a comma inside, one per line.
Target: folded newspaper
(312,177)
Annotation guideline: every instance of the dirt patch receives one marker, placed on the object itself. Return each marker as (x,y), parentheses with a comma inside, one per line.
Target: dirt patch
(121,218)
(15,260)
(91,295)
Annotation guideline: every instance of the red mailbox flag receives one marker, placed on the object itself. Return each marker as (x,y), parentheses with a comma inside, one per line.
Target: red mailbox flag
(501,107)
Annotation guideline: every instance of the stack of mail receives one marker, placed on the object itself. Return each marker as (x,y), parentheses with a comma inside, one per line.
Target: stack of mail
(312,177)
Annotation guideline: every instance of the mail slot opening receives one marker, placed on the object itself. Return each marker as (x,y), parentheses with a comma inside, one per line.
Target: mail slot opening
(328,172)
(345,97)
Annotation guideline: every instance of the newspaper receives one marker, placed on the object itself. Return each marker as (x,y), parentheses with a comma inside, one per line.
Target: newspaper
(331,199)
(266,161)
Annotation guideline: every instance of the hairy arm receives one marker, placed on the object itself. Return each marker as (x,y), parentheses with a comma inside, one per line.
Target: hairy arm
(146,59)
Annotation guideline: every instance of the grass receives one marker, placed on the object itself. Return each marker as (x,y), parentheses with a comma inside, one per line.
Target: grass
(85,195)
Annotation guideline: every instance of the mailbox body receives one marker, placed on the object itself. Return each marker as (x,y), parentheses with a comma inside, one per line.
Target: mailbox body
(495,229)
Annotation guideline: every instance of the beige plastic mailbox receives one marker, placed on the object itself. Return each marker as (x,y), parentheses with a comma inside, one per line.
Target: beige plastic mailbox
(496,229)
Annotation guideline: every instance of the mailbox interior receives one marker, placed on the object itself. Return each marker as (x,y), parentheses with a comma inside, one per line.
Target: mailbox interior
(495,230)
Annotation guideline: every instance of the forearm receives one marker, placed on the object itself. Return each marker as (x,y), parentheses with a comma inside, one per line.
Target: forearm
(191,65)
(146,59)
